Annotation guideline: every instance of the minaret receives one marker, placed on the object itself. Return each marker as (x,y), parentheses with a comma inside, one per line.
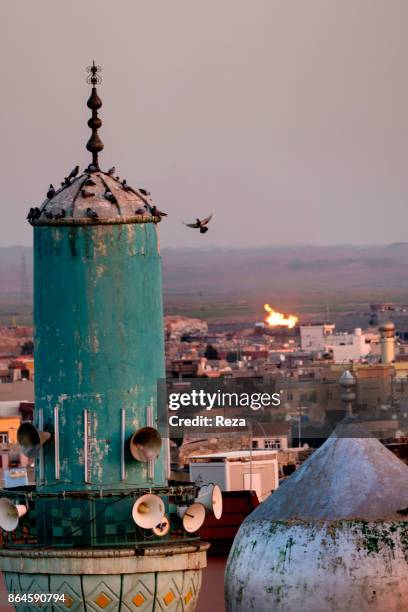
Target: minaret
(99,334)
(387,333)
(348,394)
(103,520)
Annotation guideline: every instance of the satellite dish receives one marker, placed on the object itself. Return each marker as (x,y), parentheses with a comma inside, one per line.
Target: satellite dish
(162,528)
(193,516)
(210,497)
(30,439)
(148,511)
(145,444)
(10,514)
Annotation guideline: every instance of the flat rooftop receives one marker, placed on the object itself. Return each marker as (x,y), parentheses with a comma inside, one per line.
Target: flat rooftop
(19,391)
(242,454)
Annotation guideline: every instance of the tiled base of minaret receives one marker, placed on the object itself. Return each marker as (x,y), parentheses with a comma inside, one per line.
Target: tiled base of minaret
(164,578)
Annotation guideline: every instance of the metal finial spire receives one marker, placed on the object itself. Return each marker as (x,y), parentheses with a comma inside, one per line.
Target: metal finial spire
(94,144)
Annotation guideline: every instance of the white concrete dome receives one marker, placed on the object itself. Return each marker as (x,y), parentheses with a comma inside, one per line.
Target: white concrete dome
(334,537)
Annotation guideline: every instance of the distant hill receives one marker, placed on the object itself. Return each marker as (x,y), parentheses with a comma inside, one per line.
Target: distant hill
(261,271)
(16,271)
(255,272)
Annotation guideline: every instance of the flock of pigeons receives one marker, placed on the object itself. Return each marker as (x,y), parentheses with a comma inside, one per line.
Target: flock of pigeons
(35,213)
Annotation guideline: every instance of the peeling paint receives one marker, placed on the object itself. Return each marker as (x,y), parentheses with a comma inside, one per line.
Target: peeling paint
(100,270)
(94,343)
(91,349)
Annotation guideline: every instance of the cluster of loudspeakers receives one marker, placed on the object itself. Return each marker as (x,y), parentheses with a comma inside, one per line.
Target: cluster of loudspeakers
(144,445)
(149,512)
(30,440)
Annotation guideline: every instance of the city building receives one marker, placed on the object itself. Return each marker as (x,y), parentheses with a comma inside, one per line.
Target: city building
(313,336)
(270,436)
(343,347)
(256,471)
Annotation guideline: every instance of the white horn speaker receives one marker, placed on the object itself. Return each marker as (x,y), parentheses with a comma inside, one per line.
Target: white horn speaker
(31,439)
(10,514)
(148,511)
(145,444)
(162,528)
(193,516)
(210,497)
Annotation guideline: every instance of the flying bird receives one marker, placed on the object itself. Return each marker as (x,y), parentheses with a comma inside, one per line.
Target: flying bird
(51,192)
(73,172)
(91,214)
(200,224)
(111,171)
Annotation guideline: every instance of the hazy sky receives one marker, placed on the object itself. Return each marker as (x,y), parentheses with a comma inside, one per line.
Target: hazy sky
(286,118)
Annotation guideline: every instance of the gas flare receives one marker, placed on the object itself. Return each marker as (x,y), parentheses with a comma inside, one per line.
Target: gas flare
(277,318)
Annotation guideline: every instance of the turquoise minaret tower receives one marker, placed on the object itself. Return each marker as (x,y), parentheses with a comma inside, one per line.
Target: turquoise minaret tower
(101,466)
(98,330)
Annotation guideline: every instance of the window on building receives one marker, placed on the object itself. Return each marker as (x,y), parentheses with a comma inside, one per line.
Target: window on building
(254,443)
(4,439)
(272,443)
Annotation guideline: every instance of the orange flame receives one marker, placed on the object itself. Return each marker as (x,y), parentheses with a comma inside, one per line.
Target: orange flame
(277,318)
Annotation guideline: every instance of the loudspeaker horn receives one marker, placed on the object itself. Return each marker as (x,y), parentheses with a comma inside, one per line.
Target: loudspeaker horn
(148,511)
(145,444)
(193,516)
(10,514)
(30,439)
(162,528)
(210,497)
